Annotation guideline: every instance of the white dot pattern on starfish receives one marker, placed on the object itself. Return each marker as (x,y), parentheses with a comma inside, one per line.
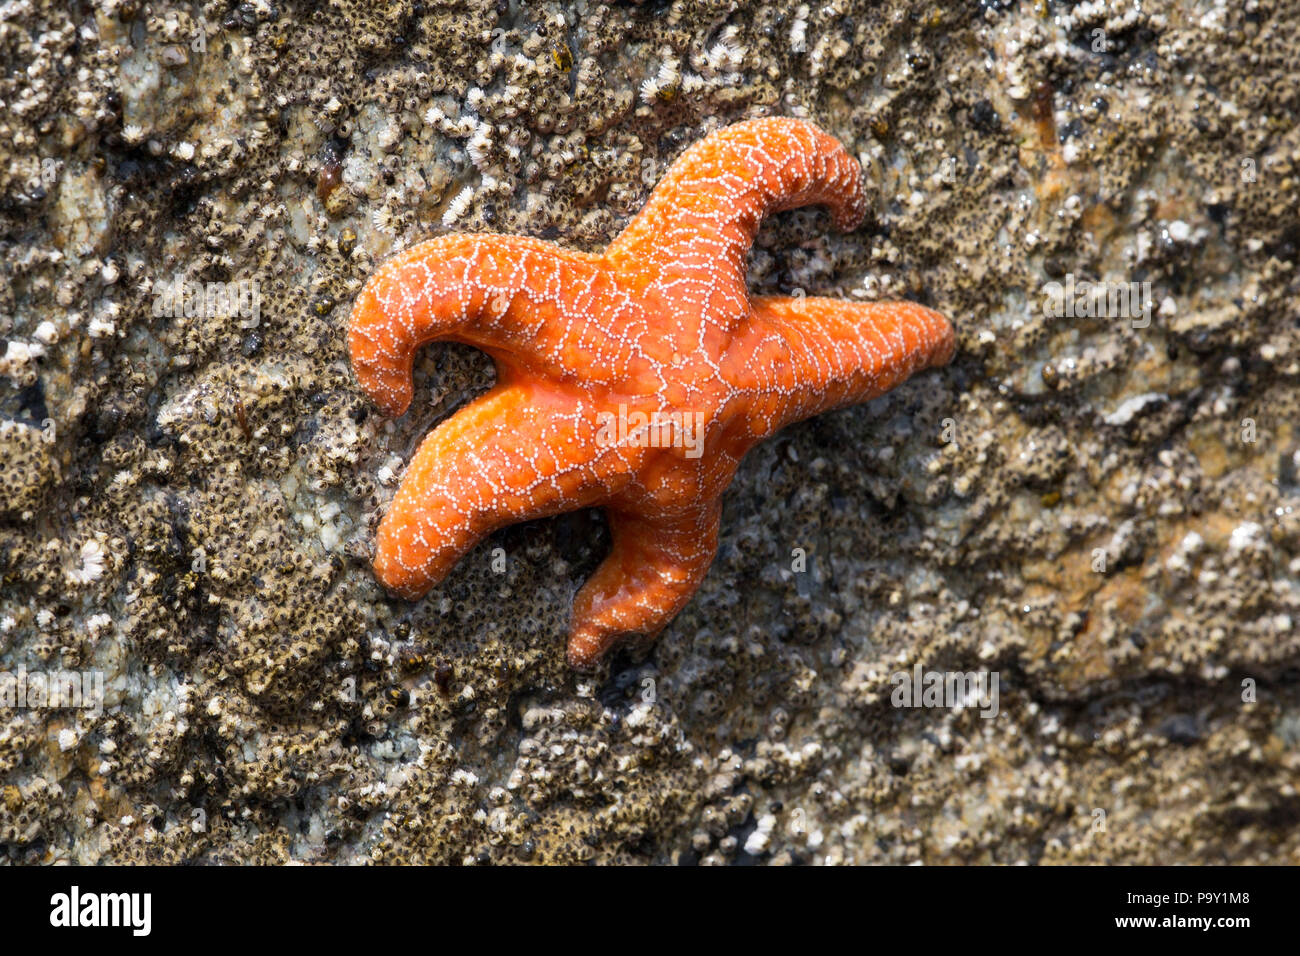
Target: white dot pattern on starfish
(661,323)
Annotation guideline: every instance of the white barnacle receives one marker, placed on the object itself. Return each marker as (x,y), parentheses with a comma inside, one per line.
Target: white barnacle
(669,72)
(478,145)
(799,30)
(90,567)
(381,218)
(727,54)
(456,208)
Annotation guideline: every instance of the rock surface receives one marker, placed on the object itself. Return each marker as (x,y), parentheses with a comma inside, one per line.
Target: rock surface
(1098,500)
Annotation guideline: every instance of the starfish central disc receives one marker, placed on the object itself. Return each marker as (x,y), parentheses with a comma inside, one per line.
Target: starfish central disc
(635,380)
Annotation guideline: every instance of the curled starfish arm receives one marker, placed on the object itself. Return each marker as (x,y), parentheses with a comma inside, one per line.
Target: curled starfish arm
(708,207)
(800,356)
(653,568)
(495,462)
(520,300)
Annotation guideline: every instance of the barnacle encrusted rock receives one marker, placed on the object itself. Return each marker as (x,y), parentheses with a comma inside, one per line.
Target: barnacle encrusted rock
(1102,505)
(27,469)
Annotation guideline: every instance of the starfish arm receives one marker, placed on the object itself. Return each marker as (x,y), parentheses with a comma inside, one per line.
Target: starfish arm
(513,455)
(798,357)
(654,567)
(525,302)
(709,205)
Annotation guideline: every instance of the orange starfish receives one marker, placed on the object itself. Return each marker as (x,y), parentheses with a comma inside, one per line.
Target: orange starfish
(635,380)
